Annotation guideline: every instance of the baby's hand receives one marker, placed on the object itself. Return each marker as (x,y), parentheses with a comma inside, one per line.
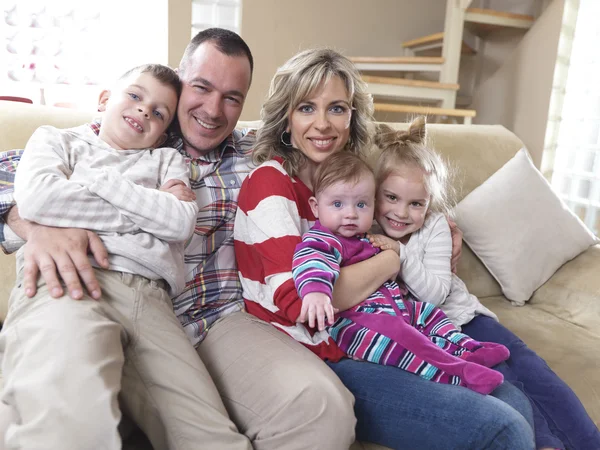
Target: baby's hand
(179,190)
(317,305)
(384,242)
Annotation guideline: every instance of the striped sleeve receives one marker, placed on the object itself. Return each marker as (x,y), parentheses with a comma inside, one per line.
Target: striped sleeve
(316,263)
(268,226)
(156,212)
(8,166)
(45,194)
(427,274)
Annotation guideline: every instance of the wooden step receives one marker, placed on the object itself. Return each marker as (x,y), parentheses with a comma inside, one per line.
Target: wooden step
(410,83)
(397,59)
(466,114)
(482,21)
(433,41)
(398,63)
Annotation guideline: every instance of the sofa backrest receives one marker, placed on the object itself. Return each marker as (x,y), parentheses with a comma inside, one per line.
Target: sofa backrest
(474,151)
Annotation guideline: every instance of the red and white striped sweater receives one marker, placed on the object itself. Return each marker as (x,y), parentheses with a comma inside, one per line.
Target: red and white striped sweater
(273,213)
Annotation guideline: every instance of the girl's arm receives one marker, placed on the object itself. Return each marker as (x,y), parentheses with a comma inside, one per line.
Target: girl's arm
(358,281)
(427,273)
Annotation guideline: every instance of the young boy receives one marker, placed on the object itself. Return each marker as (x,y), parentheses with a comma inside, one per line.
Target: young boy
(66,361)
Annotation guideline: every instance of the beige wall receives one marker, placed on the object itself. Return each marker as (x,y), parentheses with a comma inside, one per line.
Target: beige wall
(517,87)
(277,29)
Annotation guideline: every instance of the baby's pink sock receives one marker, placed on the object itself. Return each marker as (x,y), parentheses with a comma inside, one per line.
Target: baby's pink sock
(488,355)
(480,379)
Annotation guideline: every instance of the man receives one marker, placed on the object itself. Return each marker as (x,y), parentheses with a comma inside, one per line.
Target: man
(276,398)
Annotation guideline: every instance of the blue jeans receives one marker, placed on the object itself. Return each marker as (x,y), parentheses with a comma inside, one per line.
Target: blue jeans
(402,410)
(560,419)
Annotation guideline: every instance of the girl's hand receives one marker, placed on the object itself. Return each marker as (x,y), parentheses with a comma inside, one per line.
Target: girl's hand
(317,305)
(179,190)
(384,243)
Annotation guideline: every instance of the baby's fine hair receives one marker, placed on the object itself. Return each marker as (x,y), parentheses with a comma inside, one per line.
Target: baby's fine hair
(408,149)
(341,167)
(165,75)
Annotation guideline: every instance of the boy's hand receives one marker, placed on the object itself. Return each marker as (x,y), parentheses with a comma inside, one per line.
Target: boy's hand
(384,243)
(457,236)
(179,190)
(317,305)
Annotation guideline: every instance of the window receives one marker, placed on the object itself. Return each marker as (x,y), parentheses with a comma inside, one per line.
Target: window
(572,147)
(216,13)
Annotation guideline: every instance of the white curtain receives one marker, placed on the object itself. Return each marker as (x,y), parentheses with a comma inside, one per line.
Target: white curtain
(572,146)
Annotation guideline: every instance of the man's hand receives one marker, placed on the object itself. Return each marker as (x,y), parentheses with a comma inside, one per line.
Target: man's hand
(49,249)
(179,190)
(384,242)
(457,236)
(317,305)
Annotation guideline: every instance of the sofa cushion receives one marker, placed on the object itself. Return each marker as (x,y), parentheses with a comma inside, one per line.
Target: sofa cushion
(572,352)
(520,229)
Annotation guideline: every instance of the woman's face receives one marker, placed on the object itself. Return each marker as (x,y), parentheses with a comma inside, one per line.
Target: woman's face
(320,125)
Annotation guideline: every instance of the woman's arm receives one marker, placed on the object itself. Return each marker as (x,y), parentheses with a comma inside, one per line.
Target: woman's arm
(358,281)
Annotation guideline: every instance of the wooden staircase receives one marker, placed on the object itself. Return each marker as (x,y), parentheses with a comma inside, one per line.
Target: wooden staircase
(404,83)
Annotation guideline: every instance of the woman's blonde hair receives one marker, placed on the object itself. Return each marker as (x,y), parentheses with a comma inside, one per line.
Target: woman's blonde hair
(400,149)
(294,82)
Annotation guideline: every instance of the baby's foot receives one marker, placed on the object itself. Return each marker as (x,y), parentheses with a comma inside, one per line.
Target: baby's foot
(488,355)
(480,379)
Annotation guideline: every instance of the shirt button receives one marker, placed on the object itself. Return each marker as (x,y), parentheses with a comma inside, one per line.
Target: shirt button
(232,182)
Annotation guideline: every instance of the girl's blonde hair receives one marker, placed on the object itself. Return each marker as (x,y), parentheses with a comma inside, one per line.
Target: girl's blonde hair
(296,81)
(400,149)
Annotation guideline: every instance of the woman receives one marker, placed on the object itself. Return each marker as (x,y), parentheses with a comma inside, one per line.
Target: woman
(318,105)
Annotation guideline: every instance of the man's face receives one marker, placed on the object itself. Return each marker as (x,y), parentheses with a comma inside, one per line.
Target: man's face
(214,89)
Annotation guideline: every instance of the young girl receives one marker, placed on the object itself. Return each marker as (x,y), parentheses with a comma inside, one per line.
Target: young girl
(411,203)
(384,328)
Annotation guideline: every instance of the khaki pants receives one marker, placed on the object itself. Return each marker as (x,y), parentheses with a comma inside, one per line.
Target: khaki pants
(65,362)
(277,392)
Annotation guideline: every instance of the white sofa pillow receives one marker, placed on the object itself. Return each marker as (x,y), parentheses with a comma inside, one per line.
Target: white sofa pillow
(520,229)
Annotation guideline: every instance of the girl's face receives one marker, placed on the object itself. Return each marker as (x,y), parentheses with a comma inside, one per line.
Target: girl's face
(401,203)
(320,125)
(346,209)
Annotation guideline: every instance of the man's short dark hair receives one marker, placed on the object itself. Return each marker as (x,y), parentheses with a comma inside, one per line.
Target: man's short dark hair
(165,75)
(226,41)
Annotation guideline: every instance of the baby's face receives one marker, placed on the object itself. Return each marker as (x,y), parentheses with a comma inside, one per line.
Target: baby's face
(402,202)
(138,112)
(347,208)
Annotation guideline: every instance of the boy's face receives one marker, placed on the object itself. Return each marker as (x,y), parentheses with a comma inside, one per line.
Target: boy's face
(346,208)
(137,112)
(402,202)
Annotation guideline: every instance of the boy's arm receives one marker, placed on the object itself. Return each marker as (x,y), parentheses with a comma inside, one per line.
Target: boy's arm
(155,212)
(46,196)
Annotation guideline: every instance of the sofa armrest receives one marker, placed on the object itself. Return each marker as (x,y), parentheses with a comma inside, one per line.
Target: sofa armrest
(573,292)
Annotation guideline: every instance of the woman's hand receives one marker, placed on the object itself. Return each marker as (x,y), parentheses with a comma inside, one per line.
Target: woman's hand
(457,236)
(179,190)
(317,305)
(384,243)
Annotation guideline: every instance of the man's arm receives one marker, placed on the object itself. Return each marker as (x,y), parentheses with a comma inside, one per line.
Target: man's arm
(48,248)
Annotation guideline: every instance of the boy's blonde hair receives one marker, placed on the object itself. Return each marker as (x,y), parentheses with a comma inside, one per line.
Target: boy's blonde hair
(341,167)
(294,82)
(408,148)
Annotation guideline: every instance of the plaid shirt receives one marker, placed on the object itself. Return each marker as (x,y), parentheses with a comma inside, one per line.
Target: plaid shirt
(212,288)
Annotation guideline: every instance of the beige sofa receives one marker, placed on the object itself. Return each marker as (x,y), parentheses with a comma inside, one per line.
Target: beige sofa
(561,321)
